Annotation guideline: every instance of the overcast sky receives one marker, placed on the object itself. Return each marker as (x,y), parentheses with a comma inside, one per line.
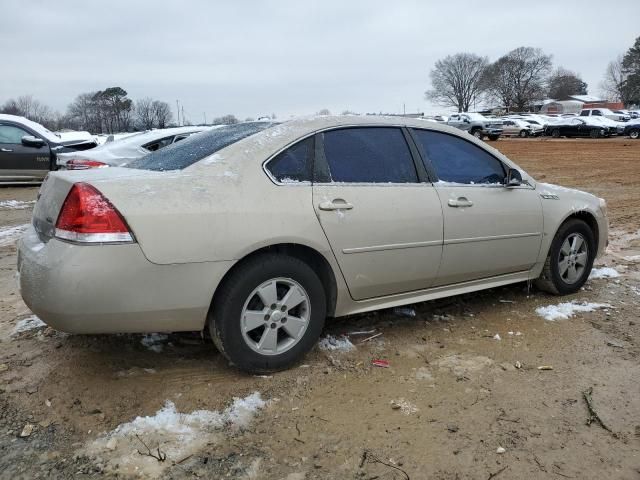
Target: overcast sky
(288,57)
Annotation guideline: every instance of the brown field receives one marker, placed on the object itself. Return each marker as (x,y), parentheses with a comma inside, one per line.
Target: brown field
(450,398)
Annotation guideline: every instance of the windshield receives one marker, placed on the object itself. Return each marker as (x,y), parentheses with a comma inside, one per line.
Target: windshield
(193,149)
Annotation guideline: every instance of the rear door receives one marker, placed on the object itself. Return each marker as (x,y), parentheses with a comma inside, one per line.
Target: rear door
(489,229)
(18,161)
(383,223)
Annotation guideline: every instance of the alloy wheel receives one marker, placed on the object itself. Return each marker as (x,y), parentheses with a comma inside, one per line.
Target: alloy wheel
(275,316)
(573,258)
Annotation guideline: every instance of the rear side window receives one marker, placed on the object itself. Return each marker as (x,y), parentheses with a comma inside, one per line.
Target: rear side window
(457,160)
(369,155)
(294,164)
(193,149)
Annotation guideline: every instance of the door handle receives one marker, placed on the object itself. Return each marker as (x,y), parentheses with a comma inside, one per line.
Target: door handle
(5,150)
(460,202)
(335,204)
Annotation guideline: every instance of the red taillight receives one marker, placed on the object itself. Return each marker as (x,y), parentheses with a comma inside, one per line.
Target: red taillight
(83,164)
(87,216)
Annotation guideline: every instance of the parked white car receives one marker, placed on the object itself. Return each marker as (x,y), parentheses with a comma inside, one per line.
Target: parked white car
(604,112)
(120,152)
(257,232)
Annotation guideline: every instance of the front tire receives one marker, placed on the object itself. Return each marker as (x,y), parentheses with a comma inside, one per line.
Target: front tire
(524,134)
(555,133)
(494,137)
(594,134)
(268,314)
(476,132)
(570,259)
(634,133)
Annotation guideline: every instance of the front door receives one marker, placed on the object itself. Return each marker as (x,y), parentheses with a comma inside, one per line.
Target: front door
(383,225)
(18,161)
(489,229)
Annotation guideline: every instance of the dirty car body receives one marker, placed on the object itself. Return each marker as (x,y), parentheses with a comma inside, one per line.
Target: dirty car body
(257,232)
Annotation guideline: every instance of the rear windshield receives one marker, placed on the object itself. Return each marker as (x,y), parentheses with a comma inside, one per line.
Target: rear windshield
(193,149)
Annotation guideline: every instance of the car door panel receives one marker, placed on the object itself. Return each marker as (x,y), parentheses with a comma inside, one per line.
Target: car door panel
(384,227)
(499,233)
(489,229)
(388,241)
(20,161)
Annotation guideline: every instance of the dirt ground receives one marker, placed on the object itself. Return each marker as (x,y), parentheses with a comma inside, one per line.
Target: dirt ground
(453,396)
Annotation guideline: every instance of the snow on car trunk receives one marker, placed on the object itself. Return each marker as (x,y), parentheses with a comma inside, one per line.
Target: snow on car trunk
(169,435)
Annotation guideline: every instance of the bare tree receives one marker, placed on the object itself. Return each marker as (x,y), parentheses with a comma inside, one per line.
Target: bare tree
(612,84)
(162,115)
(456,80)
(28,107)
(324,111)
(145,118)
(518,78)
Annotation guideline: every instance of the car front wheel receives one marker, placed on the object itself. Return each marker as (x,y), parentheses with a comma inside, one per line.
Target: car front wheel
(634,133)
(570,259)
(268,313)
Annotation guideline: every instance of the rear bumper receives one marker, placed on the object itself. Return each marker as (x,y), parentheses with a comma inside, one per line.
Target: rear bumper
(113,288)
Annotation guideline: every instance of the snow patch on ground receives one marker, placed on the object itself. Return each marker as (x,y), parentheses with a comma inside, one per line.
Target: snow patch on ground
(177,435)
(9,235)
(564,311)
(331,343)
(26,324)
(16,204)
(154,341)
(604,272)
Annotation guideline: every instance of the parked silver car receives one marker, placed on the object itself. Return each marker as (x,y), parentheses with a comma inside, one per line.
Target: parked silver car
(259,231)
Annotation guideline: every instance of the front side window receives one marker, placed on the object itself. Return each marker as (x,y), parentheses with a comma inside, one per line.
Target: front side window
(597,113)
(584,113)
(293,165)
(457,160)
(369,155)
(11,134)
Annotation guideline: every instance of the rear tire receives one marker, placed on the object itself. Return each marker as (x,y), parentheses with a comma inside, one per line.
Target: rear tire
(594,134)
(555,133)
(566,268)
(250,323)
(494,137)
(524,134)
(634,133)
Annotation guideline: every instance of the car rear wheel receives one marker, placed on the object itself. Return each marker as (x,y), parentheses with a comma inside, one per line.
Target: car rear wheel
(268,313)
(594,133)
(524,134)
(634,133)
(570,259)
(555,133)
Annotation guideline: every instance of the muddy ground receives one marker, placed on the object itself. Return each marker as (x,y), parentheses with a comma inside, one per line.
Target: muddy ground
(451,398)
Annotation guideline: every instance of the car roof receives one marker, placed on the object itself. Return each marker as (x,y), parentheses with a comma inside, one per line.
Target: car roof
(36,127)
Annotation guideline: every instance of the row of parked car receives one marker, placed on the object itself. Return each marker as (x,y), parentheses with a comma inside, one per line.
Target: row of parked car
(28,151)
(591,122)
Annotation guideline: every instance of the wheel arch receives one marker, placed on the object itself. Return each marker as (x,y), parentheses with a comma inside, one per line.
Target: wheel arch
(587,217)
(309,255)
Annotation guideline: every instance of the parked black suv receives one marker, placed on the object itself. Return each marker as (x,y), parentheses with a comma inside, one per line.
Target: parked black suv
(28,150)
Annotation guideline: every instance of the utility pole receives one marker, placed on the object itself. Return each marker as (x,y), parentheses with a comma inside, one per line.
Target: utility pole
(178,109)
(404,109)
(204,114)
(182,115)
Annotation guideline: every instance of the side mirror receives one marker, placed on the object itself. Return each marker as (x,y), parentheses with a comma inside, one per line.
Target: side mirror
(31,141)
(514,178)
(466,120)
